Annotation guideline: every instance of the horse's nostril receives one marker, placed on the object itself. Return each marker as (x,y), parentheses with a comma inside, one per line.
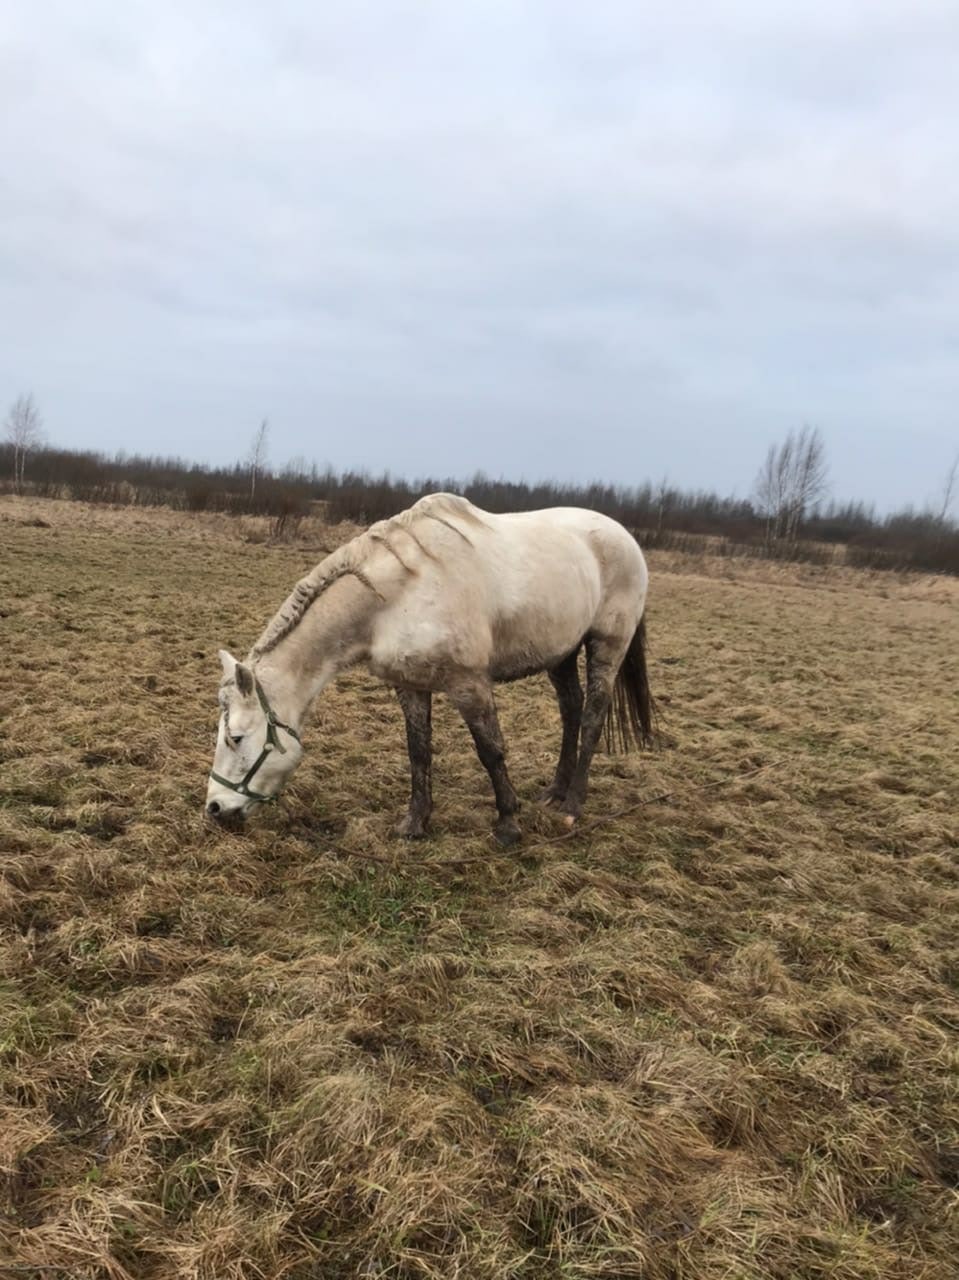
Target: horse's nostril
(213,808)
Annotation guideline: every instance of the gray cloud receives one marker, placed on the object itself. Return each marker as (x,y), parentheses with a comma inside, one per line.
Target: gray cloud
(542,239)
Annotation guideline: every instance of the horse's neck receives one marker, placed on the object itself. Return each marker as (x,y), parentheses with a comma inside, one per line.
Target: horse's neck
(333,635)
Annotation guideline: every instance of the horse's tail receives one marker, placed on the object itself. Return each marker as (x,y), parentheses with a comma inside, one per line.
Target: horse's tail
(632,710)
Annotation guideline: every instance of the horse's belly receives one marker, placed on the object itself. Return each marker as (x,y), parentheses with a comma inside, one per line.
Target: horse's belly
(526,643)
(520,665)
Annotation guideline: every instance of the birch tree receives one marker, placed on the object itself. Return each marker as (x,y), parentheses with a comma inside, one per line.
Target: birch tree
(790,481)
(24,430)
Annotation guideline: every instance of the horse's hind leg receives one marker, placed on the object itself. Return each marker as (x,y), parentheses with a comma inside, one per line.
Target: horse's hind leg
(417,709)
(603,659)
(475,704)
(569,694)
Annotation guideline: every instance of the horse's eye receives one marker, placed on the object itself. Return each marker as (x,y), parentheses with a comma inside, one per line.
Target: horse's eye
(236,739)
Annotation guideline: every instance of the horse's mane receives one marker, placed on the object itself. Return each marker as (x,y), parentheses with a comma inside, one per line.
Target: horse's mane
(350,559)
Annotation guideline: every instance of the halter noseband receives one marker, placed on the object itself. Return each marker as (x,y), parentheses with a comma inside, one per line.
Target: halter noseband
(272,741)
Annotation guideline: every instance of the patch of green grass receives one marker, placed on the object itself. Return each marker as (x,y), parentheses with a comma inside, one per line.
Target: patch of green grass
(397,907)
(35,1028)
(186,1184)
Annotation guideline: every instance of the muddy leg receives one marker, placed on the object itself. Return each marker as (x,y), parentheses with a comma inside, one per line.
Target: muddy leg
(417,708)
(569,694)
(475,704)
(603,658)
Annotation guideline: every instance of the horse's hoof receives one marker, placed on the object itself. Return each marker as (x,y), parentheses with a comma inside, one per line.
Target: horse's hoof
(411,829)
(572,807)
(507,832)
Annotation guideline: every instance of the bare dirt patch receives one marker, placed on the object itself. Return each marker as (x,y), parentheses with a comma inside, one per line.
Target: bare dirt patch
(715,1037)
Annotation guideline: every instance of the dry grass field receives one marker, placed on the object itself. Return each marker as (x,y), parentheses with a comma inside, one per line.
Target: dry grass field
(714,1038)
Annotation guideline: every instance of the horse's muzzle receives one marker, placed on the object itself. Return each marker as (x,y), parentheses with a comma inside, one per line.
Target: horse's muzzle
(225,817)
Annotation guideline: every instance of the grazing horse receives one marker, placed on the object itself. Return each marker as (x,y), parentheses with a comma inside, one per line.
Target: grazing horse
(448,598)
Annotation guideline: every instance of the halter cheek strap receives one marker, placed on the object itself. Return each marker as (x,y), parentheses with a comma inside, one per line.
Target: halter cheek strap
(272,743)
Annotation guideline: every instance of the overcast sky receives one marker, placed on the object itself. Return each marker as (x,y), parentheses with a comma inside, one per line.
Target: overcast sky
(538,237)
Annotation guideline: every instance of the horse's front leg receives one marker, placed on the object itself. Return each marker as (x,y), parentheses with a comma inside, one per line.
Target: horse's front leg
(418,711)
(474,701)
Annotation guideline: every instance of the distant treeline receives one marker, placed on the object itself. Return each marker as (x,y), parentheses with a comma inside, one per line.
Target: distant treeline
(663,516)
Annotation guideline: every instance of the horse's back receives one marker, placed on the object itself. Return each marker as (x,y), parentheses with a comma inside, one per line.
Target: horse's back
(593,543)
(547,529)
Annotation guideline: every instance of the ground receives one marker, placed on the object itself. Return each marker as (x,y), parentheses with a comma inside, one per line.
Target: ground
(711,1037)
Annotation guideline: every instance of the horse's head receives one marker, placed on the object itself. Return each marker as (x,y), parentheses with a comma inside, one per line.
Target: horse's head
(255,752)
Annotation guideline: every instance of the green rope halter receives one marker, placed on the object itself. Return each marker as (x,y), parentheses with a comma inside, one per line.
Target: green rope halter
(272,742)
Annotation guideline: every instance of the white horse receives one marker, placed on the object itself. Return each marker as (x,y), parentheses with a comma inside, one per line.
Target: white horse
(448,598)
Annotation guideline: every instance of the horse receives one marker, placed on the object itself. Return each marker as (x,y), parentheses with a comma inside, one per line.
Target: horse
(448,598)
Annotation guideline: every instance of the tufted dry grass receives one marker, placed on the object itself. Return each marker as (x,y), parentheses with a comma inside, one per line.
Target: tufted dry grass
(714,1039)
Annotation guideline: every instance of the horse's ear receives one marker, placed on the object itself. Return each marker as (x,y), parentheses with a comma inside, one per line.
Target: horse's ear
(233,670)
(244,680)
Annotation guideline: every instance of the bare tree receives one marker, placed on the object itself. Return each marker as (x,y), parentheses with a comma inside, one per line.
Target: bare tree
(810,471)
(24,428)
(772,487)
(791,479)
(662,500)
(257,455)
(948,492)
